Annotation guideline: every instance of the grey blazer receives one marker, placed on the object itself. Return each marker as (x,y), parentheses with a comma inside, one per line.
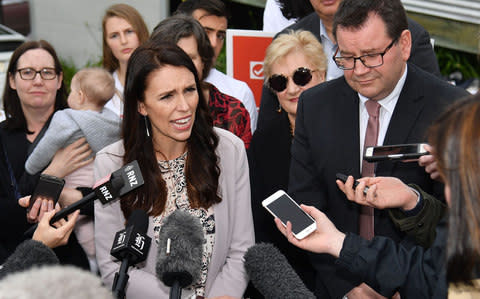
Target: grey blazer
(233,227)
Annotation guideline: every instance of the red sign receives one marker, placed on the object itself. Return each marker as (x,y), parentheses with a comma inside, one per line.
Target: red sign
(245,54)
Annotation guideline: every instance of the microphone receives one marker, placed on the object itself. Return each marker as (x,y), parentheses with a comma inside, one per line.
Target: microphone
(53,282)
(28,254)
(130,246)
(117,184)
(272,275)
(180,251)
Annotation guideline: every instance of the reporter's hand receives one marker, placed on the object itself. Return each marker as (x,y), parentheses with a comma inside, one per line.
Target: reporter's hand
(430,164)
(383,192)
(69,159)
(39,208)
(58,235)
(325,239)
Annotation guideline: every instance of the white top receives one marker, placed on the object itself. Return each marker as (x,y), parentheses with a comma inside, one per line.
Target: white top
(237,89)
(386,110)
(273,19)
(116,102)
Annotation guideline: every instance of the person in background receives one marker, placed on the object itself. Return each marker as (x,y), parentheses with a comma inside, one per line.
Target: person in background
(34,90)
(87,118)
(279,14)
(293,63)
(123,31)
(227,112)
(382,99)
(213,16)
(453,260)
(320,23)
(187,164)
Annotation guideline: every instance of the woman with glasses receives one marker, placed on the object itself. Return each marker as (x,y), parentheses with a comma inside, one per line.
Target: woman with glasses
(123,31)
(34,90)
(293,63)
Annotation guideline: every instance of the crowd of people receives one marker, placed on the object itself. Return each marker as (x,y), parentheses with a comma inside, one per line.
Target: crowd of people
(344,75)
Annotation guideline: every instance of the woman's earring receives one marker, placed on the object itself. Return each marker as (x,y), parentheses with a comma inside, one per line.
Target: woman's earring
(146,125)
(279,108)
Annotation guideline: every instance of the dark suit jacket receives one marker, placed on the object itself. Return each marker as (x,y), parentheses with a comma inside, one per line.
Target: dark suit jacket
(422,55)
(327,141)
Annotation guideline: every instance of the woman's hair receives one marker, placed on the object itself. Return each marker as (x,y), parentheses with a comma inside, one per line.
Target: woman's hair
(455,137)
(133,17)
(292,41)
(11,101)
(201,169)
(174,28)
(96,83)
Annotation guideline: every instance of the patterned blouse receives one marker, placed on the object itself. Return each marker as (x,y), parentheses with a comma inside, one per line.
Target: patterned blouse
(229,113)
(173,172)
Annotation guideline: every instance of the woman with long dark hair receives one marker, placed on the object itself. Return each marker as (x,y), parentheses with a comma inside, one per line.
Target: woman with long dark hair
(187,164)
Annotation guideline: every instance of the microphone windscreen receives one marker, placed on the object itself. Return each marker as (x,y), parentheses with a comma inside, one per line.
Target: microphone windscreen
(184,261)
(28,254)
(272,275)
(139,219)
(53,282)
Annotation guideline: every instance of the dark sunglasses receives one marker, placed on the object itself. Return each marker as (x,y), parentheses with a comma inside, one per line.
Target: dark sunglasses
(302,76)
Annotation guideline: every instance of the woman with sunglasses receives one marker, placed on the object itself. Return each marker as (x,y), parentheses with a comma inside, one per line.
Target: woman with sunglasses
(294,62)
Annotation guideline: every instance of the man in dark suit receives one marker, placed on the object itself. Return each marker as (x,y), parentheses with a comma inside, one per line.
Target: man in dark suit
(374,45)
(320,23)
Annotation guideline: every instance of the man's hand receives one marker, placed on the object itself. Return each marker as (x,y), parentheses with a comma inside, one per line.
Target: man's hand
(325,239)
(383,192)
(430,164)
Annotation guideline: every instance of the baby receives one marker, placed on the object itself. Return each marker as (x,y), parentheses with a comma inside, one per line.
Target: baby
(91,88)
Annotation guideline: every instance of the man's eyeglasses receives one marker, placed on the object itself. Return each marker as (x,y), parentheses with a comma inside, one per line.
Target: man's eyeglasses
(368,60)
(302,76)
(46,73)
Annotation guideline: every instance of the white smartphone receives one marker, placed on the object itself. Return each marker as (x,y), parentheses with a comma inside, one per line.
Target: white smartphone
(282,206)
(395,152)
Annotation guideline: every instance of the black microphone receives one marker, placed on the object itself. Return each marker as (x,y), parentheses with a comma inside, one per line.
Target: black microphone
(130,246)
(180,251)
(28,254)
(119,183)
(272,275)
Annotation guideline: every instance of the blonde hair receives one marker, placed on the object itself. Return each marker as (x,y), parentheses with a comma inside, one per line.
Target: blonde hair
(96,83)
(299,40)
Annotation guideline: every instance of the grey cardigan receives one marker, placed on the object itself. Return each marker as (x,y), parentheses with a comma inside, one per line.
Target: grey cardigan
(233,222)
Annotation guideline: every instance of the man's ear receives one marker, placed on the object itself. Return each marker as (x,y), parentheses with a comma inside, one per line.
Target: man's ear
(405,41)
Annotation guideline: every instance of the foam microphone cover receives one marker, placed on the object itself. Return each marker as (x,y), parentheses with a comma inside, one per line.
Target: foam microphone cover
(28,254)
(272,275)
(139,219)
(183,263)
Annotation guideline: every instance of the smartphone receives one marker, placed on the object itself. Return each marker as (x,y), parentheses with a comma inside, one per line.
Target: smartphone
(343,177)
(48,186)
(282,206)
(395,152)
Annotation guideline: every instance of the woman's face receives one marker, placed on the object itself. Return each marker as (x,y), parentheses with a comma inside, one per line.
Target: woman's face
(189,45)
(287,66)
(37,93)
(171,99)
(121,38)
